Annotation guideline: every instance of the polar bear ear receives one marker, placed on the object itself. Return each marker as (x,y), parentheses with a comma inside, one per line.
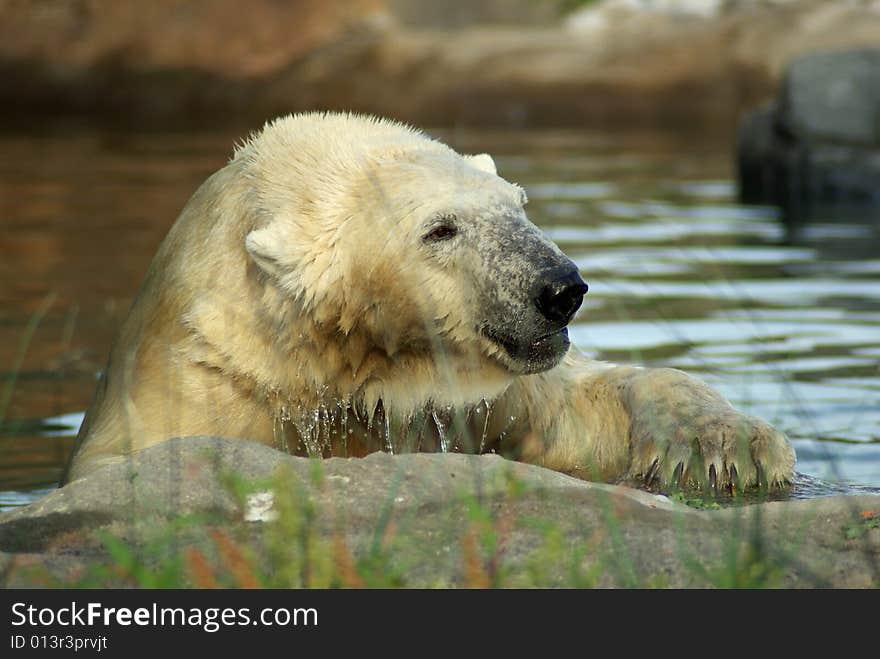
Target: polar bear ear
(263,246)
(483,162)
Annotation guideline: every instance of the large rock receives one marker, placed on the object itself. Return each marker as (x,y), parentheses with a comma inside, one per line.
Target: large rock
(161,58)
(212,36)
(667,63)
(207,511)
(816,150)
(833,97)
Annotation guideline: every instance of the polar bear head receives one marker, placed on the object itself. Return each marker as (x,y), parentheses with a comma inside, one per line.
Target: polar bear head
(398,267)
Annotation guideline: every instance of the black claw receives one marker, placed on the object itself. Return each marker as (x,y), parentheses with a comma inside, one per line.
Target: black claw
(677,474)
(733,475)
(652,471)
(713,477)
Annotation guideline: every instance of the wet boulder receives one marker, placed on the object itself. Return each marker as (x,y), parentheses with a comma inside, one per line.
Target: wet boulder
(815,150)
(207,512)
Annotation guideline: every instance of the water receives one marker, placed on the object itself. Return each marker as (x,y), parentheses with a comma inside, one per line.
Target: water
(680,275)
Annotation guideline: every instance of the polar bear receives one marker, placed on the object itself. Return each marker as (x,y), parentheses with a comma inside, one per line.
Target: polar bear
(346,284)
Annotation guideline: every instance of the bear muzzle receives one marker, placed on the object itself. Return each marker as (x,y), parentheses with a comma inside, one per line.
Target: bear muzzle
(539,339)
(559,295)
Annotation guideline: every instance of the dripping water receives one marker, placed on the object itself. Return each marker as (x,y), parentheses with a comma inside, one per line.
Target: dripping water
(441,431)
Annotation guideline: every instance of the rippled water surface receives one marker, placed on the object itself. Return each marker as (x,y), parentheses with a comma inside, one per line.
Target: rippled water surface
(680,275)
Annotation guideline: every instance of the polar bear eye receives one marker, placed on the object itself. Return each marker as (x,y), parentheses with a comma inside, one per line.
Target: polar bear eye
(443,231)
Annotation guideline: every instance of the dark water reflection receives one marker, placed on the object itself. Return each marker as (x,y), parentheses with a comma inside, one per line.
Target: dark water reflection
(679,275)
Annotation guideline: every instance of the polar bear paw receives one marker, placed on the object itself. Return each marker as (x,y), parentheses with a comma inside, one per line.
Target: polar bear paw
(685,435)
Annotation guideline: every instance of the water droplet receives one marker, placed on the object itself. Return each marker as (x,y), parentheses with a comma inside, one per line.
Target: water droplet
(441,430)
(388,444)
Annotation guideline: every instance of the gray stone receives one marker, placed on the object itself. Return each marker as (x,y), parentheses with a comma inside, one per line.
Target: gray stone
(815,151)
(833,97)
(201,510)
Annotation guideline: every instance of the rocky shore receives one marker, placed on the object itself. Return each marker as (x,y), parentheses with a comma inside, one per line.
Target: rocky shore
(211,512)
(607,64)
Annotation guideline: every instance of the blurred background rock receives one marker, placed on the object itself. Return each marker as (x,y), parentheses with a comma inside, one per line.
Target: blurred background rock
(533,63)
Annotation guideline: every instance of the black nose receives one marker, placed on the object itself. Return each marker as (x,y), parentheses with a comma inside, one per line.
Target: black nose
(561,296)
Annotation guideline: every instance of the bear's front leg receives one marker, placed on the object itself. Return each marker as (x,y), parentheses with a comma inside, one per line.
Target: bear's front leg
(657,427)
(684,434)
